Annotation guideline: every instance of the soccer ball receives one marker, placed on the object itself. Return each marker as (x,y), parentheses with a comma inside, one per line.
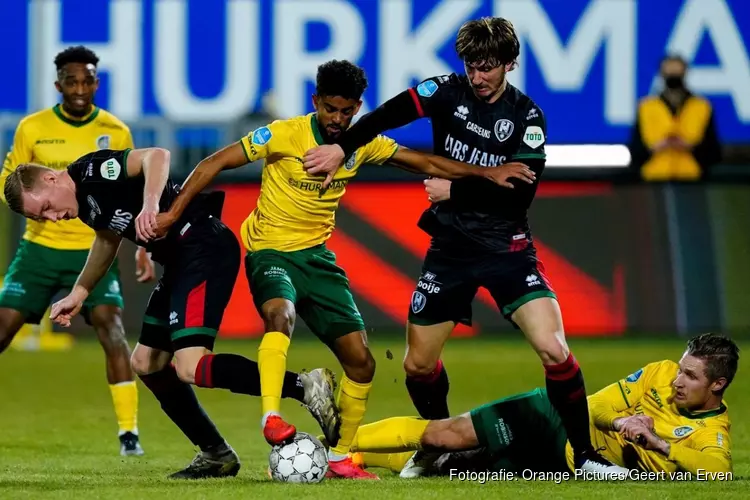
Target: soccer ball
(304,460)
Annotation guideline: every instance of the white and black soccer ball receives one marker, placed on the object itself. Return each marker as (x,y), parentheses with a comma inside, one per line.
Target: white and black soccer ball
(304,460)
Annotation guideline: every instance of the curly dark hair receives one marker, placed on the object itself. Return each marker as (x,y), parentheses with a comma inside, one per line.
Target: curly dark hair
(341,78)
(720,354)
(490,40)
(77,54)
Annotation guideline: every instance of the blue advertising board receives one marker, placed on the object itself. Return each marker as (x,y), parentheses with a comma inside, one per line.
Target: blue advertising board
(585,62)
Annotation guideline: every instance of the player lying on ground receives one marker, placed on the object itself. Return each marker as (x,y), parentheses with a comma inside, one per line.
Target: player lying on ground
(288,266)
(119,194)
(480,232)
(666,417)
(50,256)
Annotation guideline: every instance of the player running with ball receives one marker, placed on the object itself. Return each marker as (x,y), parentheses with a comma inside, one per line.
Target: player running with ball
(480,232)
(119,193)
(288,266)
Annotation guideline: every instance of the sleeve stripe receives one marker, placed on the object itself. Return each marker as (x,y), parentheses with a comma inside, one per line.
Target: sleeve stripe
(418,105)
(623,394)
(244,149)
(540,156)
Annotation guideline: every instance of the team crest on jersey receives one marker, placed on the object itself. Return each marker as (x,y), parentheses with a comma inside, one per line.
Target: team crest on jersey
(351,161)
(503,129)
(633,377)
(418,301)
(682,431)
(427,88)
(103,141)
(262,136)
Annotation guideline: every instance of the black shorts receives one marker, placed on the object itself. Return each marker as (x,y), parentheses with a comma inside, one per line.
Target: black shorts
(187,304)
(449,282)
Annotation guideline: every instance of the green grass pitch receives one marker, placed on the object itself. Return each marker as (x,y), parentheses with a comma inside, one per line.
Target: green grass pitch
(58,434)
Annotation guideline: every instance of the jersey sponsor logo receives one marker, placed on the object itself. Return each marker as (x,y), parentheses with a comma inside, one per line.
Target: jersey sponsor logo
(533,136)
(503,129)
(682,431)
(533,113)
(633,377)
(429,287)
(173,319)
(103,141)
(720,439)
(480,131)
(313,186)
(13,288)
(418,301)
(262,136)
(351,161)
(461,112)
(95,210)
(110,169)
(426,89)
(120,221)
(657,398)
(533,280)
(428,276)
(50,141)
(457,150)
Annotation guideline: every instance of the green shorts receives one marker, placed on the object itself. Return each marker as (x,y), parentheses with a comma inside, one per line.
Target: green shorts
(522,432)
(312,281)
(38,273)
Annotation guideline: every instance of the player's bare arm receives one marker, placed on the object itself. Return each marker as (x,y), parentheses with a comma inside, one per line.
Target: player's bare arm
(437,166)
(101,256)
(153,164)
(230,157)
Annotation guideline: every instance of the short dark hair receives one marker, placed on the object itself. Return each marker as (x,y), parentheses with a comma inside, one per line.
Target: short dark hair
(489,40)
(21,180)
(77,54)
(341,78)
(720,354)
(674,57)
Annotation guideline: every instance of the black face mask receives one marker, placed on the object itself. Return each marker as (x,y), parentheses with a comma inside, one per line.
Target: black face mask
(674,81)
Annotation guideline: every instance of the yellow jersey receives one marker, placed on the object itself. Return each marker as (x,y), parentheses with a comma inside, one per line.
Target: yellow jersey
(699,442)
(293,211)
(53,139)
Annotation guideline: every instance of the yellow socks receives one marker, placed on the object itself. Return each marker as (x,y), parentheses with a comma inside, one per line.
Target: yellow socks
(272,367)
(391,435)
(352,403)
(125,400)
(392,461)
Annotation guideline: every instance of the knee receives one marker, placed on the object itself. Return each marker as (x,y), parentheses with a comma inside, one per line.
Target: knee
(554,350)
(360,366)
(279,317)
(185,370)
(418,366)
(108,326)
(140,362)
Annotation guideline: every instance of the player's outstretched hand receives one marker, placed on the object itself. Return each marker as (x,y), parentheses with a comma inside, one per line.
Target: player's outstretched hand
(325,159)
(437,190)
(164,222)
(64,309)
(144,266)
(502,174)
(146,221)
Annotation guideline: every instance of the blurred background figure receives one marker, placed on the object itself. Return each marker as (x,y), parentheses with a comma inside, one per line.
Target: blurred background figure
(674,137)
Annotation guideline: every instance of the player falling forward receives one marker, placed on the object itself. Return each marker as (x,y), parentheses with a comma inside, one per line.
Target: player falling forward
(288,266)
(480,233)
(51,255)
(119,194)
(666,417)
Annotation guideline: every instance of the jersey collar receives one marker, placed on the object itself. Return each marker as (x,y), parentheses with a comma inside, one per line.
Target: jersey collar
(316,129)
(57,109)
(696,415)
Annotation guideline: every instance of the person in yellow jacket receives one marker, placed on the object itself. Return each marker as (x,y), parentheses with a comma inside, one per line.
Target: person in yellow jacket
(665,421)
(50,256)
(675,137)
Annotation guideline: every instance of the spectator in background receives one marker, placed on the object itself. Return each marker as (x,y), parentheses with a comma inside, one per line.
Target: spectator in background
(674,138)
